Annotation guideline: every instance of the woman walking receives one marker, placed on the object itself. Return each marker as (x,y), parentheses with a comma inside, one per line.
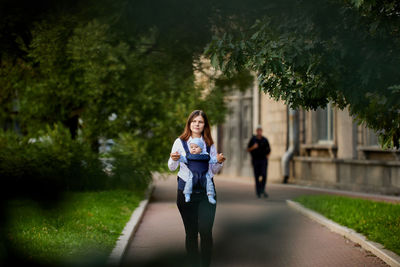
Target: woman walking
(197,214)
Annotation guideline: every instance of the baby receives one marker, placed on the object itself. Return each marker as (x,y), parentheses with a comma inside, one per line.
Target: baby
(198,161)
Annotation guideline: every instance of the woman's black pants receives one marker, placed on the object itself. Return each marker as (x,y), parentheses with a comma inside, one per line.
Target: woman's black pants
(198,217)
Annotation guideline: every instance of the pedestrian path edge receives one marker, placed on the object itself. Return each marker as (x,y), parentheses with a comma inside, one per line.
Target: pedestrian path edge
(377,249)
(130,228)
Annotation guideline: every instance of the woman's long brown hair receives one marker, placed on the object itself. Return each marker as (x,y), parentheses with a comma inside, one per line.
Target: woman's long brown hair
(206,131)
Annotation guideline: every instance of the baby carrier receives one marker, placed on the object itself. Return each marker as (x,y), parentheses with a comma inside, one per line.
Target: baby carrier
(198,164)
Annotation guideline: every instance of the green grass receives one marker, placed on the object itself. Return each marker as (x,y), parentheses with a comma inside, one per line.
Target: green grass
(84,227)
(378,221)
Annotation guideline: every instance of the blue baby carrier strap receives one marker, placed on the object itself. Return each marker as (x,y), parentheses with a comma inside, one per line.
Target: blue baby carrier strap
(198,165)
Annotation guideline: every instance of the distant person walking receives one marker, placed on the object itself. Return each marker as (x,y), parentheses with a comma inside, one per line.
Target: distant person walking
(198,213)
(259,149)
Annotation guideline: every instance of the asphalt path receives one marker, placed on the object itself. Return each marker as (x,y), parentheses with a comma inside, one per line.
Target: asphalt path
(248,231)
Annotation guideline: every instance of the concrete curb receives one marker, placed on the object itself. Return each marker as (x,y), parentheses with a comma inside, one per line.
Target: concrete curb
(377,249)
(247,180)
(344,192)
(130,228)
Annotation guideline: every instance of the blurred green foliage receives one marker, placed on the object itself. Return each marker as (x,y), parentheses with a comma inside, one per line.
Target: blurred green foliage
(73,72)
(51,161)
(100,72)
(80,63)
(68,66)
(308,53)
(130,158)
(135,59)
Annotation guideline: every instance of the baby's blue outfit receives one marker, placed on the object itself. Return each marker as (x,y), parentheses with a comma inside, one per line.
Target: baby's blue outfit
(193,175)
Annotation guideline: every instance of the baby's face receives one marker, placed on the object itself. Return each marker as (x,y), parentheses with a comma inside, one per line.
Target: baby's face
(195,149)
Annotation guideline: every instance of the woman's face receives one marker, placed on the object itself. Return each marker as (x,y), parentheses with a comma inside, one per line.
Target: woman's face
(197,125)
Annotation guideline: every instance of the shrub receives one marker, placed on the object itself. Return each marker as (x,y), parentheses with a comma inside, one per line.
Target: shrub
(48,163)
(131,163)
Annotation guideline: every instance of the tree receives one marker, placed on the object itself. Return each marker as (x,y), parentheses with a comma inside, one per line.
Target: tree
(92,67)
(86,63)
(309,53)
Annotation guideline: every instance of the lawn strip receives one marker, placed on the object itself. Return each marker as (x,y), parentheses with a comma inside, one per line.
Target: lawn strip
(84,226)
(378,221)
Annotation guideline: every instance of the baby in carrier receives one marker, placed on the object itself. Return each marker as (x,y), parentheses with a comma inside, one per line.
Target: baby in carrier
(197,159)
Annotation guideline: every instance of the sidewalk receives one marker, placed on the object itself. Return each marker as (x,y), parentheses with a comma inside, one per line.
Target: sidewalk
(247,232)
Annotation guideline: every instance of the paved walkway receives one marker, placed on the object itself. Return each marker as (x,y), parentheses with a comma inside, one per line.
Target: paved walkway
(247,232)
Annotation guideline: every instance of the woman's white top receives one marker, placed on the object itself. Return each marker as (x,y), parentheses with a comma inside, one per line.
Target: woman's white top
(183,169)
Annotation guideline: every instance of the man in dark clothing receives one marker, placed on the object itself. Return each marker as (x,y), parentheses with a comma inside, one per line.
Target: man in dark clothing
(259,149)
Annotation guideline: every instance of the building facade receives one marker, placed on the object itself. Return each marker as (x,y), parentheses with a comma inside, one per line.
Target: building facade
(331,150)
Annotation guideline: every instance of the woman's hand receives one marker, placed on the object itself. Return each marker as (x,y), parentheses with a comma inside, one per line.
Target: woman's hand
(175,156)
(220,158)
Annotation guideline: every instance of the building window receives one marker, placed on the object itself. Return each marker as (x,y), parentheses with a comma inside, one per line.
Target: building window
(247,122)
(370,138)
(246,126)
(324,124)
